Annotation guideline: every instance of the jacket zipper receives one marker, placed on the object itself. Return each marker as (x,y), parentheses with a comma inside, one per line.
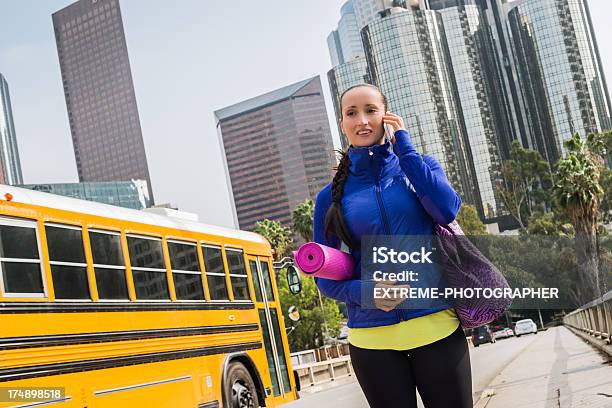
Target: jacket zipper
(377,189)
(381,206)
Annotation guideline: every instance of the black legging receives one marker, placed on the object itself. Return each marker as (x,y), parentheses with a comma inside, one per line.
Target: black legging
(440,370)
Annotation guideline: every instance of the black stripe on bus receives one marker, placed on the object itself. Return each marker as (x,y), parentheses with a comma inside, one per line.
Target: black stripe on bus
(210,404)
(21,373)
(9,343)
(80,307)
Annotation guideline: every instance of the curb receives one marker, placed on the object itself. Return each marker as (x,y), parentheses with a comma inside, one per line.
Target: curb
(485,397)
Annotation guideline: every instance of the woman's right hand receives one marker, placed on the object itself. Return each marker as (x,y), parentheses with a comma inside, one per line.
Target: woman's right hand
(389,303)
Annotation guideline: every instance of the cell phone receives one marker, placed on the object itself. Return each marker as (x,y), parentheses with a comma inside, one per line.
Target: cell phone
(388,132)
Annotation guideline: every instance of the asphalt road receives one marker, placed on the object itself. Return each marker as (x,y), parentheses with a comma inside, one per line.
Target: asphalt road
(487,361)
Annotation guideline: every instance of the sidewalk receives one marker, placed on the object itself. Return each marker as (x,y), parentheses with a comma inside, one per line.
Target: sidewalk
(557,370)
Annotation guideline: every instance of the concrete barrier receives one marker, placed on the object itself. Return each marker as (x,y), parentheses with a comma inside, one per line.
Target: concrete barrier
(313,376)
(593,319)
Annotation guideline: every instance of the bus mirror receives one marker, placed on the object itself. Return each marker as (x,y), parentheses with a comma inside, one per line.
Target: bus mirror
(294,280)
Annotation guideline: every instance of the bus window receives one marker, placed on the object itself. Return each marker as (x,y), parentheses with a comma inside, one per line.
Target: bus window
(109,265)
(215,272)
(238,274)
(269,351)
(280,350)
(20,266)
(256,285)
(186,270)
(265,271)
(67,259)
(148,268)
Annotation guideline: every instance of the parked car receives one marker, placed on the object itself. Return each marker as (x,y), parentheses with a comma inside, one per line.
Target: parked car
(509,332)
(343,333)
(525,326)
(481,335)
(500,334)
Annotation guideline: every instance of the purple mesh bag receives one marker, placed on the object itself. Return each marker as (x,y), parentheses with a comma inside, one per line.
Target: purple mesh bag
(466,267)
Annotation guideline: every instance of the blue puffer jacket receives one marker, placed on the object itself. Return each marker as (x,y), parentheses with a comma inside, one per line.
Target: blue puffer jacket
(389,191)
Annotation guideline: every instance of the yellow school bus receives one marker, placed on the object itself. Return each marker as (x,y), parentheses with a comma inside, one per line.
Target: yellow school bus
(102,306)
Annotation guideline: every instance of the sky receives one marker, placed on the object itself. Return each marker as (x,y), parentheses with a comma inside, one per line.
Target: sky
(188,59)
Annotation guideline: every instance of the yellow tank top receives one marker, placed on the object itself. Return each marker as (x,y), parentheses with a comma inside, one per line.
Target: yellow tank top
(407,334)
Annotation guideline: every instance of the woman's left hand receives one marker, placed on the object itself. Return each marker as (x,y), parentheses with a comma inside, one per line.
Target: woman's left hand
(396,122)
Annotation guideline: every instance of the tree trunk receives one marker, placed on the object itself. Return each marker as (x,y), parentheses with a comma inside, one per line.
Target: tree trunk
(518,213)
(585,223)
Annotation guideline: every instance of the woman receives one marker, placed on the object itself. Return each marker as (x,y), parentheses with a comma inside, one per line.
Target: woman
(386,188)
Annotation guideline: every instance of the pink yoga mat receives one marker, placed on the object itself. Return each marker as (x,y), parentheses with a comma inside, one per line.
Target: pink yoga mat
(324,262)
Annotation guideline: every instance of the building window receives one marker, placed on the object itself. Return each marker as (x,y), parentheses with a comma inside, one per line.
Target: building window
(215,272)
(148,268)
(67,259)
(109,265)
(20,264)
(238,274)
(186,270)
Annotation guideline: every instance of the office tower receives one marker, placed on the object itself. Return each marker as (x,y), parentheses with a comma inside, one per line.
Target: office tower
(342,77)
(408,59)
(559,71)
(10,166)
(277,151)
(508,100)
(335,49)
(474,71)
(99,92)
(367,11)
(129,194)
(348,63)
(344,43)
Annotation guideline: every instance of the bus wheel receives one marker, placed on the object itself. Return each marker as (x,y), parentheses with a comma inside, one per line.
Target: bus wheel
(240,391)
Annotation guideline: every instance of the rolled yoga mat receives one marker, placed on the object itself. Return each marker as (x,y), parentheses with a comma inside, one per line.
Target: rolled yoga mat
(321,261)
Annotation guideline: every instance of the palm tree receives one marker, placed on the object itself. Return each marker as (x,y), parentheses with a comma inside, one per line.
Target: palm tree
(578,189)
(279,237)
(303,219)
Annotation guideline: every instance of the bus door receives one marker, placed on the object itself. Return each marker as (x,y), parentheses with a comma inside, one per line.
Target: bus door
(266,305)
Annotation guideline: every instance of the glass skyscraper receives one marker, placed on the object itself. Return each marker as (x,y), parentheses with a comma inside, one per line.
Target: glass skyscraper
(367,11)
(559,72)
(99,92)
(507,97)
(277,151)
(471,76)
(344,43)
(409,60)
(473,70)
(342,77)
(335,49)
(129,194)
(349,66)
(10,166)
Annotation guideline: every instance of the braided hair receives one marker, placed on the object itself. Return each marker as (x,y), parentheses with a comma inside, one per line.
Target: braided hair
(334,219)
